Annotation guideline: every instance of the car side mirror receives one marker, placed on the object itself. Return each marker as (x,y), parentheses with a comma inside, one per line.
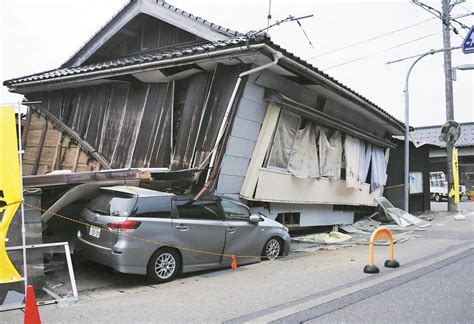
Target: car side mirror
(254,219)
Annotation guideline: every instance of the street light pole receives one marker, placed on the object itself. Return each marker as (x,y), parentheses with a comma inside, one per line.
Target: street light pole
(448,83)
(406,195)
(407,119)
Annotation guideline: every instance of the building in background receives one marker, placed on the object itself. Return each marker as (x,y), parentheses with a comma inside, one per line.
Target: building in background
(465,146)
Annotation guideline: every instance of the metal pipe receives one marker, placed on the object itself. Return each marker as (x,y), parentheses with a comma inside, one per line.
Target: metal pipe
(276,57)
(406,193)
(406,168)
(22,208)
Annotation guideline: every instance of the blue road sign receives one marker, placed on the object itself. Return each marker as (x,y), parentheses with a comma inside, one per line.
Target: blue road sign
(468,44)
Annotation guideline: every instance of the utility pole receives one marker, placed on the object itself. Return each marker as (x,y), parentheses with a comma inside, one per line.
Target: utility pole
(448,83)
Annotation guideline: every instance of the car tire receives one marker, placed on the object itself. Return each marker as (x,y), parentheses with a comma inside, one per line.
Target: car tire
(164,266)
(272,249)
(437,198)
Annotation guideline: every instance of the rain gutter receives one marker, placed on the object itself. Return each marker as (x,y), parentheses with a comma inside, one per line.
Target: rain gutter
(141,67)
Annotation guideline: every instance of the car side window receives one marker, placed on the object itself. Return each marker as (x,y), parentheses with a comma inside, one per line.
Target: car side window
(154,207)
(198,210)
(235,211)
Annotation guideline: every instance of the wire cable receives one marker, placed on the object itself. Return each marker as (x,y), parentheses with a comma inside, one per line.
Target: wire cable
(371,39)
(379,52)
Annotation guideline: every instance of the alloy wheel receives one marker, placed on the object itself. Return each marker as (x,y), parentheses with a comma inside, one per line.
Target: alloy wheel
(165,265)
(272,249)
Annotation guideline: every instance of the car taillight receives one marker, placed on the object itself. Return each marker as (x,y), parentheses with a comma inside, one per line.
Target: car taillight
(124,226)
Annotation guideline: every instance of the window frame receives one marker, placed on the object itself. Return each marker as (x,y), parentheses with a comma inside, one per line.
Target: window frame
(175,203)
(270,148)
(238,204)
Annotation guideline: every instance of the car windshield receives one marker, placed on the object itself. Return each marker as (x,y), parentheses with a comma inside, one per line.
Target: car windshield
(113,203)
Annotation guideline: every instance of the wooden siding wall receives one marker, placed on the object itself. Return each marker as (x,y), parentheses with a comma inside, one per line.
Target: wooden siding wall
(131,124)
(47,149)
(143,33)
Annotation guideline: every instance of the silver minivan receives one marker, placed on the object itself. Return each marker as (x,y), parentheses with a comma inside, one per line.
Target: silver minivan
(158,234)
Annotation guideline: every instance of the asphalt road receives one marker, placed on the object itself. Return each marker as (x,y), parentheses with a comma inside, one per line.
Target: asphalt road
(434,284)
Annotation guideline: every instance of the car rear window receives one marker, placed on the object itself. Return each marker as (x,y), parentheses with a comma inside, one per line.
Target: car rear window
(113,203)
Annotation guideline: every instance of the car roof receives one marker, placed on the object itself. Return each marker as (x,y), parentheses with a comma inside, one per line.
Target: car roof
(137,191)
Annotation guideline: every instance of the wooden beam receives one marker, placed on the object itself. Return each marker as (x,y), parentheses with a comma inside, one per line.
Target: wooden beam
(76,157)
(69,131)
(128,32)
(24,132)
(57,153)
(40,147)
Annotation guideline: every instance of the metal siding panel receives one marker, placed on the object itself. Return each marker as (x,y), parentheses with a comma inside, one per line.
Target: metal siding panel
(253,92)
(154,133)
(229,184)
(219,96)
(280,186)
(251,110)
(245,129)
(112,118)
(94,132)
(189,124)
(129,121)
(234,166)
(240,147)
(324,218)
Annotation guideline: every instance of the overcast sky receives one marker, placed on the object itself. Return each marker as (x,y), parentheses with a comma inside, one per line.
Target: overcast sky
(38,35)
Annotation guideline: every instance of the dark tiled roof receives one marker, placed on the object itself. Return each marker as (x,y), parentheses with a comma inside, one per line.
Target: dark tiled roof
(430,134)
(159,55)
(151,56)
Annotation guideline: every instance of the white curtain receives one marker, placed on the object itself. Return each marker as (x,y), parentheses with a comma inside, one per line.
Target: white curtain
(352,153)
(332,167)
(283,141)
(379,169)
(325,149)
(304,162)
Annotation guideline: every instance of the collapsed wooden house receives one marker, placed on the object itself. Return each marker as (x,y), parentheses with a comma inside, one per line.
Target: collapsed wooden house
(178,103)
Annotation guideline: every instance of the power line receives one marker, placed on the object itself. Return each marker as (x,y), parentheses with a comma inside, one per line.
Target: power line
(370,39)
(378,52)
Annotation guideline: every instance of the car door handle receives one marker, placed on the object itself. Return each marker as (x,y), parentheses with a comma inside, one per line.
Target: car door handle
(182,228)
(231,230)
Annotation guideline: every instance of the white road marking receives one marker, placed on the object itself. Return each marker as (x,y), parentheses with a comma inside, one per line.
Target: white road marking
(344,292)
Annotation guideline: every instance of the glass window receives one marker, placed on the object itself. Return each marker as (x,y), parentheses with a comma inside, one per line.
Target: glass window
(113,203)
(233,210)
(157,207)
(283,140)
(199,210)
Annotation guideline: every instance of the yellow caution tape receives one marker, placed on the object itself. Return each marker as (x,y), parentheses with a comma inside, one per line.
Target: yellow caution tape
(155,242)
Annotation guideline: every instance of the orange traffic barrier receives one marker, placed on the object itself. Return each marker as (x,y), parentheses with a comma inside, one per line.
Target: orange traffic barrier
(378,234)
(31,307)
(234,263)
